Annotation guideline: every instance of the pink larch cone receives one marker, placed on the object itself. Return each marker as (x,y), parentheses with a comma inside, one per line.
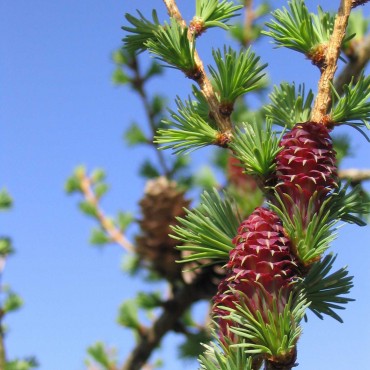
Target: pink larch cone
(306,166)
(260,266)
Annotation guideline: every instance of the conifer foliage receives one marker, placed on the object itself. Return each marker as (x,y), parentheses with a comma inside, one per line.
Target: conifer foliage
(10,301)
(272,263)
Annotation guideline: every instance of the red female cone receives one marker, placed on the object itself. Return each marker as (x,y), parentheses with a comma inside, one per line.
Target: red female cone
(306,168)
(260,266)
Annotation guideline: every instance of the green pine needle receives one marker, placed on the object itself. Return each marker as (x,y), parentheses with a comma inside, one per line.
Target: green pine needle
(201,106)
(353,108)
(325,291)
(236,74)
(142,31)
(289,105)
(208,230)
(191,131)
(310,234)
(219,356)
(349,206)
(172,46)
(215,13)
(276,337)
(256,147)
(295,28)
(323,25)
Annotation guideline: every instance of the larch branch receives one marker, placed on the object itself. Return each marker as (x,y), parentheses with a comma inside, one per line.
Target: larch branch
(323,99)
(223,121)
(173,310)
(112,231)
(248,22)
(355,175)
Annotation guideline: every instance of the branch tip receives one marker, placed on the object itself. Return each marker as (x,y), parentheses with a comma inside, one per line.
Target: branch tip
(223,123)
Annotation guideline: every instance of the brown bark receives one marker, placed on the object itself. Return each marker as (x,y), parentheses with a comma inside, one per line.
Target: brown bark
(172,311)
(354,175)
(323,99)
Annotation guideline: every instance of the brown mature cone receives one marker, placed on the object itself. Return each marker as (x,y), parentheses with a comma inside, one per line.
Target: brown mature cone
(161,204)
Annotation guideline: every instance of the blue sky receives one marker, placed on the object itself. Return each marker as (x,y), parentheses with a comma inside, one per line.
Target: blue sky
(59,109)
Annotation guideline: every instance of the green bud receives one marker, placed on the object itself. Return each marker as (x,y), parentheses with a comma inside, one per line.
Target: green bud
(97,175)
(5,199)
(12,302)
(99,354)
(134,135)
(98,237)
(155,69)
(80,171)
(119,57)
(120,77)
(148,301)
(148,170)
(88,208)
(128,315)
(5,247)
(72,185)
(124,219)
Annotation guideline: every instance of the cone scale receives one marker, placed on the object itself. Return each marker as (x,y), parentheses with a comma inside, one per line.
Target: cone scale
(160,206)
(306,168)
(261,267)
(263,264)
